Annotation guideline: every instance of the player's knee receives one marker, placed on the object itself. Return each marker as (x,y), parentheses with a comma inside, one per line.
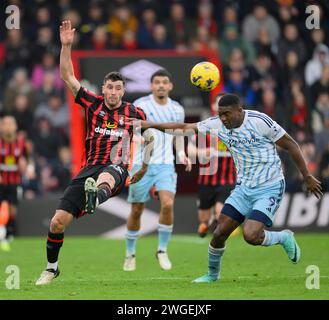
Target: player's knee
(57,225)
(167,206)
(106,177)
(219,235)
(251,236)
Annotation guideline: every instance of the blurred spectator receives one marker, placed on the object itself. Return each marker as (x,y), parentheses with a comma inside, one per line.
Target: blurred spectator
(236,84)
(258,19)
(19,84)
(61,172)
(46,143)
(273,107)
(30,184)
(56,177)
(45,43)
(228,17)
(62,7)
(263,43)
(160,38)
(23,115)
(41,18)
(313,68)
(17,53)
(202,40)
(56,112)
(320,112)
(48,65)
(180,28)
(321,85)
(309,154)
(129,40)
(49,182)
(99,39)
(321,138)
(48,87)
(287,14)
(231,39)
(291,42)
(122,19)
(291,69)
(236,62)
(145,29)
(95,18)
(298,106)
(205,18)
(75,18)
(317,36)
(263,75)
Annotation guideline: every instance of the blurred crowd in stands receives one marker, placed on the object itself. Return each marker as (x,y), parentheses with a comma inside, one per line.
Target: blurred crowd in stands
(269,58)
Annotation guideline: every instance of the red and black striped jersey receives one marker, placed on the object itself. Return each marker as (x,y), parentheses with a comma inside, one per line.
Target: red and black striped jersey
(107,136)
(219,170)
(10,153)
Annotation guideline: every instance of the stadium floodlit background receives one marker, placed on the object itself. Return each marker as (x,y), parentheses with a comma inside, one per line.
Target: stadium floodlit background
(267,54)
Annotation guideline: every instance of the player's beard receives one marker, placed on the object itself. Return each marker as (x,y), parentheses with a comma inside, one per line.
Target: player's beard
(162,95)
(113,102)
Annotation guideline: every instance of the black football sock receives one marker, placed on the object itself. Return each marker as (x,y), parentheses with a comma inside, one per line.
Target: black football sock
(104,192)
(54,243)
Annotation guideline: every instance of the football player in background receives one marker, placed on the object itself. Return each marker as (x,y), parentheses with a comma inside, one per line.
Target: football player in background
(14,157)
(158,107)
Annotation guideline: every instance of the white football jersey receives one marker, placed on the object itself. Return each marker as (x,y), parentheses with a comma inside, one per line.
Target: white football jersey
(163,144)
(252,146)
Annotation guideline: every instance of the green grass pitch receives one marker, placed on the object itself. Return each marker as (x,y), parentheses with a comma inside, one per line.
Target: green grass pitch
(91,268)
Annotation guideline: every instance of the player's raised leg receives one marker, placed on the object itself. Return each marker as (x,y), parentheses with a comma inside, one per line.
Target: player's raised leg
(133,226)
(55,240)
(229,220)
(100,191)
(255,234)
(204,216)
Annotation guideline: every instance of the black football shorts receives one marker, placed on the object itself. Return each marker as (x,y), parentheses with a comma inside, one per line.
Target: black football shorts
(9,193)
(74,199)
(208,196)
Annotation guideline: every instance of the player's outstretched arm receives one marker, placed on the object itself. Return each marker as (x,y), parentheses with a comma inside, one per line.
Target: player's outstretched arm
(173,128)
(289,144)
(65,62)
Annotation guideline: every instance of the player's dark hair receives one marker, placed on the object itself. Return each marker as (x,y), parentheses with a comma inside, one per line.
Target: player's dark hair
(229,100)
(161,73)
(115,76)
(218,96)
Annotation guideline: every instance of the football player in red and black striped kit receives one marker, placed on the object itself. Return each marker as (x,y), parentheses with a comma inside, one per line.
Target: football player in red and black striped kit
(107,151)
(14,153)
(216,177)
